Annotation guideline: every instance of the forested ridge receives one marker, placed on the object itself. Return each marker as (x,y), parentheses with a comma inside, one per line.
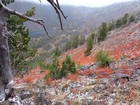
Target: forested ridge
(92,57)
(81,20)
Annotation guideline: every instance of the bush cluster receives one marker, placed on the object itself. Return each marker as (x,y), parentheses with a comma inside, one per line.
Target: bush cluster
(55,72)
(103,58)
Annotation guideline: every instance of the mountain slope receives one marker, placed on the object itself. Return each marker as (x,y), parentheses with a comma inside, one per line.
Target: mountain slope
(119,42)
(119,83)
(81,20)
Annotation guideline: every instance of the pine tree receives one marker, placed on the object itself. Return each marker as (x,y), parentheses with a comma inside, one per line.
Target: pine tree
(132,18)
(89,44)
(103,29)
(111,26)
(68,46)
(119,23)
(57,51)
(122,21)
(75,41)
(125,18)
(7,80)
(68,66)
(20,52)
(54,69)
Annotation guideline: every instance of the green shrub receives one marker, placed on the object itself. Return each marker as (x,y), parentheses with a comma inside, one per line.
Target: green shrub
(57,51)
(20,51)
(68,66)
(87,52)
(54,69)
(103,30)
(89,44)
(55,72)
(132,18)
(103,58)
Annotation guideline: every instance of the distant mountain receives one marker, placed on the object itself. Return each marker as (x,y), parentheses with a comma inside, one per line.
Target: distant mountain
(81,20)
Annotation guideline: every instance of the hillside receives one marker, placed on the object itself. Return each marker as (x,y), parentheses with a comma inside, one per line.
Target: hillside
(119,41)
(119,83)
(80,79)
(81,20)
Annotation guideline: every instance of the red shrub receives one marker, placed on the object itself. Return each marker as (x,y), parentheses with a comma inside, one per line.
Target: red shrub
(73,77)
(49,81)
(28,78)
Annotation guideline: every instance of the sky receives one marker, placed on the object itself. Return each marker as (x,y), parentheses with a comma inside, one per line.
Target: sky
(88,3)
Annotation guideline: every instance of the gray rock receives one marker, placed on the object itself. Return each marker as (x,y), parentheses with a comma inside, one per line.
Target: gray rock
(116,76)
(58,103)
(91,102)
(84,67)
(96,103)
(138,71)
(112,66)
(25,94)
(41,100)
(2,93)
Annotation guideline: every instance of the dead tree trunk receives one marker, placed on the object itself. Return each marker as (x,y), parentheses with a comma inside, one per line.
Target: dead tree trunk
(6,77)
(5,70)
(4,50)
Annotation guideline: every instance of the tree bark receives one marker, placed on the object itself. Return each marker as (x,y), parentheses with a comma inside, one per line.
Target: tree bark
(5,69)
(6,77)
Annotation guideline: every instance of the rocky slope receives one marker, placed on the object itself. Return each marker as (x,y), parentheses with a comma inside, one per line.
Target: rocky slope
(119,83)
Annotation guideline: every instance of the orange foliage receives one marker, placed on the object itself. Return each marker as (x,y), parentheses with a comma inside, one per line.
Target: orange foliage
(120,43)
(32,75)
(123,68)
(131,95)
(34,71)
(100,72)
(86,72)
(28,78)
(130,49)
(49,81)
(78,56)
(103,72)
(73,77)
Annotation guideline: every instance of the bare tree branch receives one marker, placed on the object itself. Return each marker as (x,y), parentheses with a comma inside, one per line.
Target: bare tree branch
(58,10)
(54,4)
(13,12)
(7,81)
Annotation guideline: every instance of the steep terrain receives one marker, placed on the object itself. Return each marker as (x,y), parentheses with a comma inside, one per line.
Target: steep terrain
(81,20)
(119,83)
